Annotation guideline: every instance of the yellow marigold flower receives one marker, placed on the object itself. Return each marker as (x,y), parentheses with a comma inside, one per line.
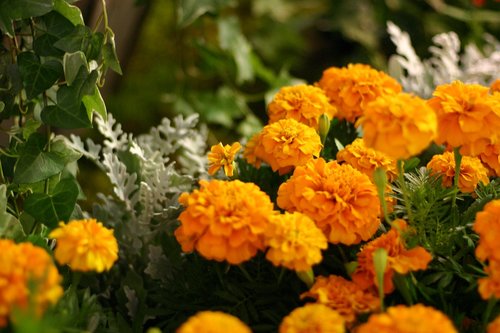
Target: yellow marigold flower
(294,241)
(286,144)
(495,86)
(466,113)
(351,88)
(399,258)
(343,296)
(85,245)
(494,326)
(222,157)
(213,322)
(366,160)
(408,319)
(224,220)
(472,171)
(342,201)
(22,267)
(399,125)
(313,318)
(303,103)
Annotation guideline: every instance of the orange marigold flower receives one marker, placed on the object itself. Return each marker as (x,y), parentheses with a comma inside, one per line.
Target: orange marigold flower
(24,266)
(399,125)
(366,160)
(222,157)
(85,245)
(317,318)
(249,152)
(303,103)
(399,258)
(408,319)
(466,113)
(490,286)
(490,156)
(351,88)
(495,86)
(294,241)
(224,220)
(494,326)
(213,322)
(472,171)
(341,200)
(343,296)
(286,144)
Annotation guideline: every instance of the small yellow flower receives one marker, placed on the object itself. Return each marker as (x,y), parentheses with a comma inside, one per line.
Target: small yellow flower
(294,241)
(85,245)
(408,319)
(313,318)
(222,157)
(303,103)
(22,266)
(213,322)
(472,171)
(398,125)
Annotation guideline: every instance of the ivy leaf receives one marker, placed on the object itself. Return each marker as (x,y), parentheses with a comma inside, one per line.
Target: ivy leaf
(69,112)
(95,103)
(35,164)
(72,63)
(109,55)
(72,13)
(11,10)
(50,28)
(10,227)
(54,207)
(37,77)
(82,39)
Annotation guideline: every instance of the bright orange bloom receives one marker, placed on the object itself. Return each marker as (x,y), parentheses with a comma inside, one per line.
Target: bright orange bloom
(294,241)
(341,200)
(85,245)
(399,258)
(366,160)
(313,318)
(466,113)
(408,319)
(472,171)
(303,103)
(27,274)
(224,220)
(213,322)
(285,144)
(398,125)
(494,326)
(222,157)
(490,156)
(249,152)
(495,86)
(343,296)
(351,88)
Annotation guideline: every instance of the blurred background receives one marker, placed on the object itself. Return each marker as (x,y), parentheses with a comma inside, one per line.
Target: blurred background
(223,59)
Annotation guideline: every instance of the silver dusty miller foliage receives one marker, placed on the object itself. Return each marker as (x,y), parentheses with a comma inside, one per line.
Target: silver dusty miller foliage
(446,63)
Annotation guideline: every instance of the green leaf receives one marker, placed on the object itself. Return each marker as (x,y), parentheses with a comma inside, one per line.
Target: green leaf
(37,77)
(10,227)
(109,56)
(82,39)
(72,63)
(49,29)
(2,106)
(380,263)
(189,10)
(55,207)
(67,154)
(69,112)
(11,10)
(95,103)
(72,13)
(34,163)
(30,127)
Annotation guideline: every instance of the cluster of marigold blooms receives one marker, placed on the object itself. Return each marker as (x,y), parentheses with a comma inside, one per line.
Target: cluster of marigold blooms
(29,278)
(337,201)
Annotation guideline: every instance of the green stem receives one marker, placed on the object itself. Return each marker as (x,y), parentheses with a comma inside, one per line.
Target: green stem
(404,190)
(458,162)
(245,273)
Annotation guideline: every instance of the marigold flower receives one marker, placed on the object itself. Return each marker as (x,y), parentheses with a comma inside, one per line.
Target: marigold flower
(366,160)
(351,88)
(342,201)
(317,318)
(399,258)
(303,103)
(495,86)
(294,241)
(213,322)
(466,113)
(494,326)
(490,156)
(343,296)
(222,157)
(249,152)
(85,245)
(472,171)
(399,125)
(408,319)
(285,144)
(22,267)
(224,220)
